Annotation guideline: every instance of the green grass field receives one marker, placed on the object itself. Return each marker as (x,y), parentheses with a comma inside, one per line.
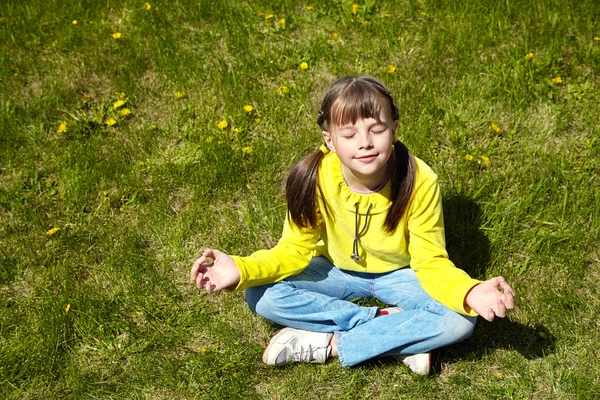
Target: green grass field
(117,169)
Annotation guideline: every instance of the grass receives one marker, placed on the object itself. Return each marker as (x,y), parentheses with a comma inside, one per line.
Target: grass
(101,307)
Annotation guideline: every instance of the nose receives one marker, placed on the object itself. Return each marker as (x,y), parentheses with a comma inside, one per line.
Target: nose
(365,141)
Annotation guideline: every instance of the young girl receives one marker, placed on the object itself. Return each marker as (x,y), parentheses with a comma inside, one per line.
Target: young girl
(364,220)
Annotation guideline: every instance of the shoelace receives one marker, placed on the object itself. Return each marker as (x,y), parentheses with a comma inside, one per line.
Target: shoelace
(308,356)
(354,256)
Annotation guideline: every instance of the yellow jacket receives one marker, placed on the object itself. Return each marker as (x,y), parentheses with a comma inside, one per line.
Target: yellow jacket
(418,242)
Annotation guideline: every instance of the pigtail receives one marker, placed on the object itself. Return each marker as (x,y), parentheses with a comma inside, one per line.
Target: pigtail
(301,191)
(403,182)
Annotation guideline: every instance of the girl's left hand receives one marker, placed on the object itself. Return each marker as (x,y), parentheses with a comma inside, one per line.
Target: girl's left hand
(491,298)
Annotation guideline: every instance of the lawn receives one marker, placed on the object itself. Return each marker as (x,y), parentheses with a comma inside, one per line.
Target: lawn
(134,135)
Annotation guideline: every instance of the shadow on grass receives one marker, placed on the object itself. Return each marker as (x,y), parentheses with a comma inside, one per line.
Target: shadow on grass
(467,246)
(530,341)
(469,249)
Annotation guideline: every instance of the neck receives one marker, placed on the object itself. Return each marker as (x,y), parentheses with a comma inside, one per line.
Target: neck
(367,184)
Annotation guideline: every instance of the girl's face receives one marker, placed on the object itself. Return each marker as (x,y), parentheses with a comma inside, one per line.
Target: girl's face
(364,149)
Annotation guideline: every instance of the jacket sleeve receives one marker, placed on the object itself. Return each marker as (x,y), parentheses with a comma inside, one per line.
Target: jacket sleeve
(438,276)
(290,256)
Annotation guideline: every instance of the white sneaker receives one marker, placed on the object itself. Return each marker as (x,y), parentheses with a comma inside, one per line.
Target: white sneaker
(420,363)
(291,344)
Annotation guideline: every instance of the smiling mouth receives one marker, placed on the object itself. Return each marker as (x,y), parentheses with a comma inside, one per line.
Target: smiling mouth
(367,158)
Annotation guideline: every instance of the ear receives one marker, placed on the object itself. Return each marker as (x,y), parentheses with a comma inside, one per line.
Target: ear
(328,141)
(395,126)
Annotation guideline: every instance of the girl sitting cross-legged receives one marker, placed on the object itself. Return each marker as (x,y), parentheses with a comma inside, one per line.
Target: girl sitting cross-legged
(364,220)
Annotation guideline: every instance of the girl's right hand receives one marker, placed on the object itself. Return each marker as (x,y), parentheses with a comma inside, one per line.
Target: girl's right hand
(219,273)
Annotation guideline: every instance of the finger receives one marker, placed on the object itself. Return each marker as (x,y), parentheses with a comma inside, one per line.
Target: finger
(208,286)
(201,262)
(210,253)
(507,289)
(509,300)
(200,279)
(500,309)
(196,268)
(498,281)
(489,315)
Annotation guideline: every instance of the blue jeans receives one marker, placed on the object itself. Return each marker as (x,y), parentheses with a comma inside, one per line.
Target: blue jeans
(319,299)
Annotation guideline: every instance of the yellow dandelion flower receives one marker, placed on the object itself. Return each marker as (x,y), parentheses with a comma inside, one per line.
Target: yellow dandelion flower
(105,193)
(391,69)
(529,56)
(147,6)
(236,130)
(496,128)
(269,16)
(154,127)
(116,35)
(61,197)
(335,36)
(557,80)
(247,150)
(469,157)
(399,38)
(248,108)
(597,38)
(354,9)
(62,128)
(125,112)
(74,22)
(485,160)
(121,95)
(119,103)
(257,120)
(308,8)
(303,65)
(223,124)
(179,94)
(203,349)
(52,231)
(281,21)
(210,139)
(68,307)
(283,90)
(110,122)
(579,96)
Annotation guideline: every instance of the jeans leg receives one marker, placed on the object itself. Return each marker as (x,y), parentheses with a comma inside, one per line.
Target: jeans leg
(423,325)
(317,299)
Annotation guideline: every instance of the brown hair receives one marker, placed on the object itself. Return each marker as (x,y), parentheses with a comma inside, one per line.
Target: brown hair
(349,99)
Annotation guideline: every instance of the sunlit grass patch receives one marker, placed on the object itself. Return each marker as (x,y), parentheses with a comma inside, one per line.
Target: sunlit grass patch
(123,156)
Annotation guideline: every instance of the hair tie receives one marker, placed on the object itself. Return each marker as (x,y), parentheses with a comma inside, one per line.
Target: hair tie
(324,149)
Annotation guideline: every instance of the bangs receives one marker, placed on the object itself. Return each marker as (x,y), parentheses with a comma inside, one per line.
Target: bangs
(357,102)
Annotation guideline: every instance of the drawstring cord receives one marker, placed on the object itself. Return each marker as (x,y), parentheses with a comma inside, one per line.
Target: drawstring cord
(354,256)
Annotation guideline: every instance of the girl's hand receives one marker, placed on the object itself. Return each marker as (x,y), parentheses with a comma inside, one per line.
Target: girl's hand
(491,298)
(218,274)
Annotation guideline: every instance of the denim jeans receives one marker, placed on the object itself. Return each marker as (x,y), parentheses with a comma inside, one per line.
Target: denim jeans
(320,299)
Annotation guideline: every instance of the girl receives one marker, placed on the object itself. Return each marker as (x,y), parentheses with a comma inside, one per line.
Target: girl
(364,220)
